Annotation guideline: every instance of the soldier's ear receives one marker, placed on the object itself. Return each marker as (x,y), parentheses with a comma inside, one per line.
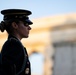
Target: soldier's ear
(14,25)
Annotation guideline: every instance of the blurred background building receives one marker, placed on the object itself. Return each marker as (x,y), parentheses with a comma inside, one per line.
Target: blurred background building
(51,45)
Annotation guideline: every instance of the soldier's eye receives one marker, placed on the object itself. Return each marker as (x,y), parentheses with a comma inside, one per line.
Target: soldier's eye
(26,24)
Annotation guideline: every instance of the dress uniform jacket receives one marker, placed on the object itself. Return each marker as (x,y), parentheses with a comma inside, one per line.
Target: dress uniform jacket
(13,57)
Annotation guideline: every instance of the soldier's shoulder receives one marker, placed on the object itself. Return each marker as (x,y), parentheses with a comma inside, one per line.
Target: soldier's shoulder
(11,42)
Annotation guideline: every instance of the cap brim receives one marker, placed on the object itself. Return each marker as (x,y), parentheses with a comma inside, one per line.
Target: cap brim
(28,21)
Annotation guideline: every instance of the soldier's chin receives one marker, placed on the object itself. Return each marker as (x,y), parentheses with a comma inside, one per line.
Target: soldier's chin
(26,36)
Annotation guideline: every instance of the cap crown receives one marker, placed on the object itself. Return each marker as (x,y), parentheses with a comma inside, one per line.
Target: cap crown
(15,11)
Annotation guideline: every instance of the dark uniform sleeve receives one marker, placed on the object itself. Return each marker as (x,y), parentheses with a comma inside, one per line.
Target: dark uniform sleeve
(12,57)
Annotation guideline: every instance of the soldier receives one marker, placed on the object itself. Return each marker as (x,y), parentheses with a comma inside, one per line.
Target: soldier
(14,55)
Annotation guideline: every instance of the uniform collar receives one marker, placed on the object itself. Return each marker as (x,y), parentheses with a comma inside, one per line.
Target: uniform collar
(12,36)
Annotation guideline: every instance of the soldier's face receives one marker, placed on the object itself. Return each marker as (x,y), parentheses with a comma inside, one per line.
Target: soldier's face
(23,29)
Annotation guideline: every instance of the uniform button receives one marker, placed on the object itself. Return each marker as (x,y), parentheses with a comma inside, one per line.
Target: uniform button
(27,62)
(27,71)
(26,55)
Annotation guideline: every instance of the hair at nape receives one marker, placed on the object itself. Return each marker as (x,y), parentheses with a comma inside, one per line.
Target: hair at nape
(2,26)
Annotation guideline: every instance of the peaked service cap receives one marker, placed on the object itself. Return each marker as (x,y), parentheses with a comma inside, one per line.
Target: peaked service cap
(21,14)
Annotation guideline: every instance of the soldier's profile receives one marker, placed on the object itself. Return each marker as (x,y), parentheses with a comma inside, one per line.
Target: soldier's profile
(15,60)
